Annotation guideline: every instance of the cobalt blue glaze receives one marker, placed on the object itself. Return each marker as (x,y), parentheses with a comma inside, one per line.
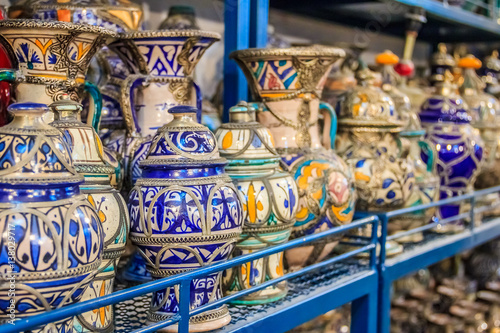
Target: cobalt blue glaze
(185,213)
(459,150)
(53,236)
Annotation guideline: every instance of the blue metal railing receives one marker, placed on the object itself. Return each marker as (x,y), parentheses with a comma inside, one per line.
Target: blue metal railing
(184,280)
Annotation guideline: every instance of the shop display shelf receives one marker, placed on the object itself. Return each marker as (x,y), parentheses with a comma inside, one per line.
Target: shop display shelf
(434,248)
(475,20)
(313,290)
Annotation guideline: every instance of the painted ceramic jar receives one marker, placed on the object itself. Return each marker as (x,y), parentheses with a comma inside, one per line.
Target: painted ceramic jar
(288,83)
(489,73)
(459,149)
(162,64)
(368,139)
(52,239)
(89,161)
(51,59)
(185,213)
(412,144)
(269,198)
(5,93)
(180,17)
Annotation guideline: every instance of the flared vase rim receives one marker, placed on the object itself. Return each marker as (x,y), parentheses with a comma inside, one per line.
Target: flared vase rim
(170,33)
(297,51)
(131,7)
(56,25)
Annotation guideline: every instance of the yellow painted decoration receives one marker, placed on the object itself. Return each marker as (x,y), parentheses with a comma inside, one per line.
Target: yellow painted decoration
(44,47)
(343,218)
(64,15)
(318,194)
(271,137)
(307,172)
(227,141)
(302,214)
(252,205)
(82,50)
(361,176)
(387,58)
(279,268)
(131,20)
(99,146)
(102,311)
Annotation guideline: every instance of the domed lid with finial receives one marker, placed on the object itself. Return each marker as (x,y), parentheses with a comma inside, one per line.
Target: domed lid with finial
(32,152)
(484,108)
(367,106)
(441,62)
(402,103)
(183,142)
(444,106)
(248,145)
(86,146)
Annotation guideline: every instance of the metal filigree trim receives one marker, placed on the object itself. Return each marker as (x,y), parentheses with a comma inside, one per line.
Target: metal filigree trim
(39,24)
(317,51)
(190,181)
(170,33)
(54,274)
(201,318)
(182,161)
(188,239)
(97,169)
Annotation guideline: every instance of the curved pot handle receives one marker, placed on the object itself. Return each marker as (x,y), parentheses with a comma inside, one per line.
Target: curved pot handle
(429,150)
(127,101)
(94,117)
(330,127)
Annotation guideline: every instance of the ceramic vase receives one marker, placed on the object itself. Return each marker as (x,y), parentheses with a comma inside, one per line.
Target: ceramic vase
(106,70)
(185,213)
(269,198)
(89,161)
(459,149)
(368,140)
(51,58)
(288,83)
(411,145)
(162,64)
(52,239)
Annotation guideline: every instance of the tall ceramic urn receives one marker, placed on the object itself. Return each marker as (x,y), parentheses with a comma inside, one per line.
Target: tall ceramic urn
(412,143)
(52,238)
(185,213)
(288,85)
(269,197)
(89,160)
(459,148)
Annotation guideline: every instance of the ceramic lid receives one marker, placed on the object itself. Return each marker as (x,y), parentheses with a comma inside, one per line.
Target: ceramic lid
(32,152)
(439,108)
(245,142)
(86,146)
(483,108)
(183,142)
(390,81)
(368,106)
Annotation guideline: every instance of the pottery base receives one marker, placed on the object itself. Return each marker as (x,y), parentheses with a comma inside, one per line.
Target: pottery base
(258,298)
(391,249)
(413,238)
(300,257)
(207,321)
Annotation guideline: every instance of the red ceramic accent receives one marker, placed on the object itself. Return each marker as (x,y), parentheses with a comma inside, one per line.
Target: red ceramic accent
(405,68)
(4,86)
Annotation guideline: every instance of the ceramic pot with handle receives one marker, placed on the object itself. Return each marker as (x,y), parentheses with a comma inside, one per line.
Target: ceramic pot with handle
(288,85)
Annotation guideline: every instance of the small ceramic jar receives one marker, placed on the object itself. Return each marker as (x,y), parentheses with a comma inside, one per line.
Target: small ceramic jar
(269,198)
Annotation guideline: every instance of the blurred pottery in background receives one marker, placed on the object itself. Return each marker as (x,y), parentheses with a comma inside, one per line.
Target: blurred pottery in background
(269,197)
(484,110)
(288,83)
(56,232)
(185,213)
(89,161)
(459,149)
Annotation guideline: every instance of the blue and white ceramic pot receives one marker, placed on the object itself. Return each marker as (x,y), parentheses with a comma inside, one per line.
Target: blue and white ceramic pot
(161,63)
(411,145)
(269,197)
(185,213)
(52,239)
(368,140)
(89,160)
(289,83)
(459,149)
